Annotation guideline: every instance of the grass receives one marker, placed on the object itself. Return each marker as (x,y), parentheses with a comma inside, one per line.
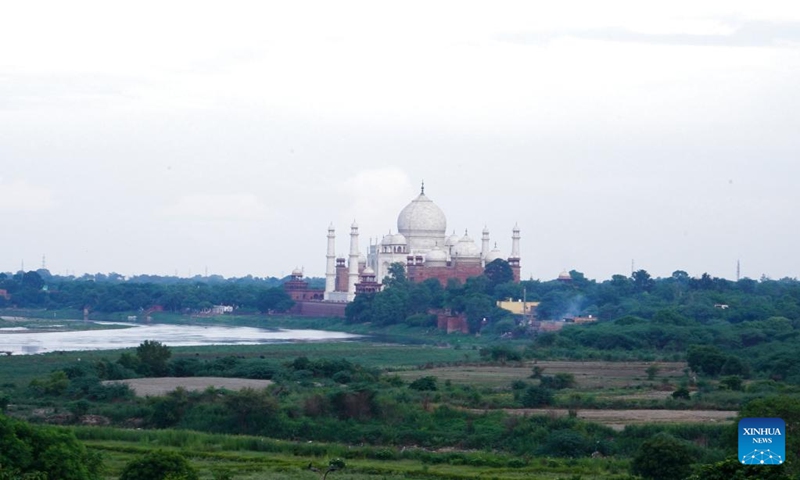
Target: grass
(253,457)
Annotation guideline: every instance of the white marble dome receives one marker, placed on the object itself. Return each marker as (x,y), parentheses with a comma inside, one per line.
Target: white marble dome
(422,218)
(466,248)
(436,258)
(493,255)
(452,240)
(396,239)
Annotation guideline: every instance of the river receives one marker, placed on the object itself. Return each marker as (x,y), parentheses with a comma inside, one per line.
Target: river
(23,342)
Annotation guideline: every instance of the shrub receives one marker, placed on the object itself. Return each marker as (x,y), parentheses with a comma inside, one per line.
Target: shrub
(424,384)
(159,465)
(663,457)
(536,396)
(558,382)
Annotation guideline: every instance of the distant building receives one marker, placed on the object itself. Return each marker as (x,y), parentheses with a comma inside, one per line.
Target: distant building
(588,319)
(518,307)
(421,245)
(309,301)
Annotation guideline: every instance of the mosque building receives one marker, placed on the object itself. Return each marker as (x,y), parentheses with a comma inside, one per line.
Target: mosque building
(421,244)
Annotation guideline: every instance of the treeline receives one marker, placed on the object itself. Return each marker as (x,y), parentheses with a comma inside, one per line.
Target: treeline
(689,300)
(112,293)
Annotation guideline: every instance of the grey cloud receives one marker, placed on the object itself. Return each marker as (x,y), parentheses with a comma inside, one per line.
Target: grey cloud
(748,34)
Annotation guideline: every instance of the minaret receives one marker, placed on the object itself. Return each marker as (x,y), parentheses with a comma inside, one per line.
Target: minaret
(484,244)
(352,276)
(513,260)
(330,267)
(515,242)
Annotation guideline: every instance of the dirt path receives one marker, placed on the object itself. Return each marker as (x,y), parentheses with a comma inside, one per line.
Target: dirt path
(163,385)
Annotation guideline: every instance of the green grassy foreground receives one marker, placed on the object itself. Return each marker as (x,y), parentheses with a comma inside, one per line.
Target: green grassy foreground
(248,457)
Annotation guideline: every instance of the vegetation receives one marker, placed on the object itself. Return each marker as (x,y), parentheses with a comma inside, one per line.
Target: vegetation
(393,410)
(159,465)
(114,293)
(41,452)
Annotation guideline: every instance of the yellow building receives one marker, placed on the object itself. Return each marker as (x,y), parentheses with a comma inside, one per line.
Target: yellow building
(519,307)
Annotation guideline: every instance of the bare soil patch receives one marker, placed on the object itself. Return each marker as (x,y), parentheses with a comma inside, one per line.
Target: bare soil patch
(161,386)
(588,375)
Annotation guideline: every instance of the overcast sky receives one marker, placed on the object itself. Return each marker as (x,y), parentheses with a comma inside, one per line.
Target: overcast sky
(163,137)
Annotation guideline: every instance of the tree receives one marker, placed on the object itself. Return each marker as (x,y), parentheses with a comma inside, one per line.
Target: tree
(274,299)
(536,396)
(159,465)
(498,272)
(396,276)
(153,357)
(253,409)
(423,384)
(36,452)
(32,280)
(642,281)
(663,457)
(706,359)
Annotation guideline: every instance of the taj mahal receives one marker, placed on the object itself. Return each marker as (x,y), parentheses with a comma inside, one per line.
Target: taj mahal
(421,244)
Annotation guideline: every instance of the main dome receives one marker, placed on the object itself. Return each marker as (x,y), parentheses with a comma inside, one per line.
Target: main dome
(422,218)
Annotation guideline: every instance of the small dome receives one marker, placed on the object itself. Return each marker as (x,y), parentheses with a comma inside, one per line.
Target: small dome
(362,258)
(493,255)
(436,256)
(564,275)
(466,248)
(297,272)
(368,271)
(396,239)
(452,240)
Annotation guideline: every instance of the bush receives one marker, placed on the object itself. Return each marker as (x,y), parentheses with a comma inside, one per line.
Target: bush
(681,394)
(663,457)
(558,382)
(423,384)
(39,452)
(159,465)
(567,443)
(536,396)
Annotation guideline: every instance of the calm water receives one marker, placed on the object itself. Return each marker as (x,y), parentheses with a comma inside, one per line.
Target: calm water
(21,341)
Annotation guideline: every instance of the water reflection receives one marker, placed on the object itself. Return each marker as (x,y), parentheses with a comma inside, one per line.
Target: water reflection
(26,343)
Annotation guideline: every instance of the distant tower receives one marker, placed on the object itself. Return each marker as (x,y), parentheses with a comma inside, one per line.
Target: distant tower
(484,244)
(44,263)
(330,267)
(738,270)
(352,277)
(513,260)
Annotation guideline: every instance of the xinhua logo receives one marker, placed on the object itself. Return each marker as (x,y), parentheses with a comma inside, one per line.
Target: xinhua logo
(762,441)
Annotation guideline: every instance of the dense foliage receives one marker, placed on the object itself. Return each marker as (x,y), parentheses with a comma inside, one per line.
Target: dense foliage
(115,293)
(33,452)
(403,301)
(159,465)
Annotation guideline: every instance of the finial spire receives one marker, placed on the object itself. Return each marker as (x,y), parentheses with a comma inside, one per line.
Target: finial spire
(422,188)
